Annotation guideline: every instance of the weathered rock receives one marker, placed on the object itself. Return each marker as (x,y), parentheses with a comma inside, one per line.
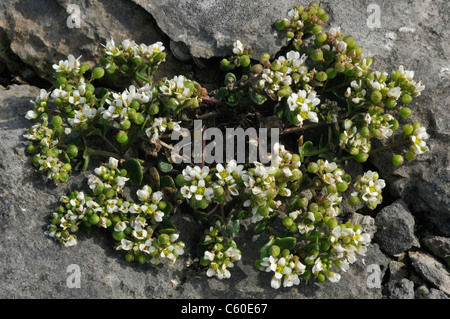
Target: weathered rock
(395,229)
(439,246)
(43,32)
(397,270)
(400,289)
(423,292)
(431,270)
(209,28)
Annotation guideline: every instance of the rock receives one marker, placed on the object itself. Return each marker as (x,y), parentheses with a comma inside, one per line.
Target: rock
(439,246)
(431,270)
(209,28)
(400,289)
(70,29)
(424,293)
(395,229)
(411,35)
(397,270)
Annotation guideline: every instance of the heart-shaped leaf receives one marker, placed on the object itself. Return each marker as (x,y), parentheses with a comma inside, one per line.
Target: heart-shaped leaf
(134,171)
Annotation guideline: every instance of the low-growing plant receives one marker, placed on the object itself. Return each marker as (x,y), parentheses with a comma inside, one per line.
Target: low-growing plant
(330,106)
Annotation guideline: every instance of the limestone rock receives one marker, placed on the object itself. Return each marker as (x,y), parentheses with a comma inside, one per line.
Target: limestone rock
(395,229)
(431,270)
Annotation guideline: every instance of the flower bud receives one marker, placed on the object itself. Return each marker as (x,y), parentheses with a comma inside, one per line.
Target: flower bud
(376,97)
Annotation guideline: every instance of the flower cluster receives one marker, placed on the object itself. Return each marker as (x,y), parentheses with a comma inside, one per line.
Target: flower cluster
(284,72)
(134,225)
(369,188)
(302,105)
(221,253)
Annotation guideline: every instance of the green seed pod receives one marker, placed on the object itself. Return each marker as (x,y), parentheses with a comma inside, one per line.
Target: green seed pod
(31,149)
(312,167)
(163,239)
(341,186)
(244,60)
(317,55)
(274,250)
(408,129)
(153,109)
(224,65)
(317,29)
(405,112)
(56,121)
(410,156)
(93,219)
(84,68)
(321,37)
(281,24)
(361,157)
(122,137)
(140,118)
(288,221)
(406,99)
(397,160)
(321,76)
(376,96)
(129,257)
(72,150)
(290,35)
(98,72)
(125,125)
(118,235)
(263,57)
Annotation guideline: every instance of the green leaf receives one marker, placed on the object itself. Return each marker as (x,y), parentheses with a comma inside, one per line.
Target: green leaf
(286,243)
(168,224)
(257,98)
(265,249)
(260,227)
(308,147)
(232,228)
(168,209)
(134,170)
(221,94)
(164,166)
(167,181)
(279,110)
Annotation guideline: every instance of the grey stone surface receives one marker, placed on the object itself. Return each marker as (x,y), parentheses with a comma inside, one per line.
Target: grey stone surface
(397,270)
(423,292)
(209,28)
(400,289)
(433,271)
(395,228)
(439,246)
(43,32)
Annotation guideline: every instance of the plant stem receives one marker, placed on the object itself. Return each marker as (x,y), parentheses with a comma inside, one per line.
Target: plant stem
(304,128)
(91,152)
(390,146)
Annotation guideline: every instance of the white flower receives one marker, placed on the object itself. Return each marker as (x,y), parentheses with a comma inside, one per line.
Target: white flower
(120,226)
(31,115)
(125,244)
(238,47)
(334,277)
(144,193)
